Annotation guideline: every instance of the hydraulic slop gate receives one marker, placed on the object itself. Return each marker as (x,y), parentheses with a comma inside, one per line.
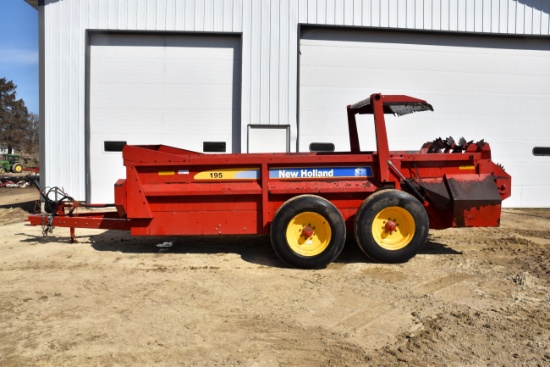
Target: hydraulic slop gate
(307,202)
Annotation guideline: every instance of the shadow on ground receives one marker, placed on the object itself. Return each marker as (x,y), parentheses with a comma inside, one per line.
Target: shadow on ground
(31,207)
(254,249)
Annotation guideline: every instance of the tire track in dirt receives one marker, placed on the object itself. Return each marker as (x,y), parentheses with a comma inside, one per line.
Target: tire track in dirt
(442,282)
(292,343)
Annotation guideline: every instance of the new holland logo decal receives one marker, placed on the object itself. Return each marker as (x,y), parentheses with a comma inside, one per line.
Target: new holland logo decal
(320,172)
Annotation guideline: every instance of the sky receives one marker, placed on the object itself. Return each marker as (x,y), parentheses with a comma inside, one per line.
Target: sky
(19,49)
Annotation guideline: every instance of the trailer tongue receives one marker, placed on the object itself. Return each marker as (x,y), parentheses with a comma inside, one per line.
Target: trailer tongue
(306,202)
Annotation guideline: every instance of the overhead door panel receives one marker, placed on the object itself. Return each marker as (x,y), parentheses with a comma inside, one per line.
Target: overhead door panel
(492,88)
(179,90)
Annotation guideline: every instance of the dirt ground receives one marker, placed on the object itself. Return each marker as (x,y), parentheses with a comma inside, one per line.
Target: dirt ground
(476,297)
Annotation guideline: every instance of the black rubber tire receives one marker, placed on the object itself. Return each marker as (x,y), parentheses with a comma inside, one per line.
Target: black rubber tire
(304,204)
(17,168)
(367,213)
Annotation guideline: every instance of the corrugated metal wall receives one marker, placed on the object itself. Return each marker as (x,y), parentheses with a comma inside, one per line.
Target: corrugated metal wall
(269,31)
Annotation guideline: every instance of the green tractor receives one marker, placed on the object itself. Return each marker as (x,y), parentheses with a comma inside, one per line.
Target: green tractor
(11,162)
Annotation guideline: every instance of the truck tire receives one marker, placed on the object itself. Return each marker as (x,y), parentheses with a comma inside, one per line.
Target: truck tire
(308,232)
(391,226)
(17,168)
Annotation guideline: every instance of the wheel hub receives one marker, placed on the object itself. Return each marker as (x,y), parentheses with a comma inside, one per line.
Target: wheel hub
(307,232)
(390,226)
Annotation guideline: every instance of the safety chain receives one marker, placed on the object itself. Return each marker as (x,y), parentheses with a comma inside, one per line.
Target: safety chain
(47,224)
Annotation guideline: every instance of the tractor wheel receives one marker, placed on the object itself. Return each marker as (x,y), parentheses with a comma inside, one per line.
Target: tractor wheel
(17,168)
(391,226)
(2,170)
(308,232)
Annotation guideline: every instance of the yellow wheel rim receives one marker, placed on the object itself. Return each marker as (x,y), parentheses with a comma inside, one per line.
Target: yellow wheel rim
(18,169)
(308,234)
(393,228)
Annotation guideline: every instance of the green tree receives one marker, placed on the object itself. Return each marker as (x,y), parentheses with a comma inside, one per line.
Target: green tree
(32,137)
(14,117)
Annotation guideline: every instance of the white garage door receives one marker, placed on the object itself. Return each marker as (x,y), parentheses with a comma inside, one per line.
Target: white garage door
(179,90)
(492,88)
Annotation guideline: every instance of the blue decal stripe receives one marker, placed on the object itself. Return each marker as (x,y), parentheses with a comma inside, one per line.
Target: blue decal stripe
(319,172)
(248,174)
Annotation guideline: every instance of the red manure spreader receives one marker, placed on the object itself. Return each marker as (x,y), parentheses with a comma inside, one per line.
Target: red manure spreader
(306,202)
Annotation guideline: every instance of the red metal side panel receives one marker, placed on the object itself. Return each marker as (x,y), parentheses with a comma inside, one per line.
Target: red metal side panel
(202,222)
(136,202)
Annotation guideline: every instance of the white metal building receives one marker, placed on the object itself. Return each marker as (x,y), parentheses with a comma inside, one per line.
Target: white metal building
(276,75)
